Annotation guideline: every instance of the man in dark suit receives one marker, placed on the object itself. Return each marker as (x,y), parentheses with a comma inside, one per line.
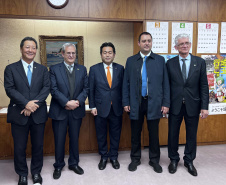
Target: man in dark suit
(27,85)
(105,100)
(145,93)
(69,89)
(189,94)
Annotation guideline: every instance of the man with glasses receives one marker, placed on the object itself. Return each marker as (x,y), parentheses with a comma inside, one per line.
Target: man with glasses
(189,95)
(69,90)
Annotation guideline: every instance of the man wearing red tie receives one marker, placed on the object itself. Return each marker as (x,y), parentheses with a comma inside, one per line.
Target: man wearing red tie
(105,100)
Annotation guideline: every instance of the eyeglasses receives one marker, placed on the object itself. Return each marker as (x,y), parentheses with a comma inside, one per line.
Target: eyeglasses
(184,44)
(69,54)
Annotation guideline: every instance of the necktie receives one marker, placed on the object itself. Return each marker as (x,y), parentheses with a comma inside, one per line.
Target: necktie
(109,77)
(29,74)
(70,68)
(144,78)
(184,69)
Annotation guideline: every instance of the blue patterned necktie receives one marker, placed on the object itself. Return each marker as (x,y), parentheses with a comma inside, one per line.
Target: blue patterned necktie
(144,78)
(29,74)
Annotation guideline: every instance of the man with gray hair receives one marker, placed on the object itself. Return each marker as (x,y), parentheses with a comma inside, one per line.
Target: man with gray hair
(69,90)
(189,95)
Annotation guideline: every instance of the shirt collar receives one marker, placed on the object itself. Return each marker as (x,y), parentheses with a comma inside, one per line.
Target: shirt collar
(142,55)
(105,65)
(188,57)
(25,64)
(72,65)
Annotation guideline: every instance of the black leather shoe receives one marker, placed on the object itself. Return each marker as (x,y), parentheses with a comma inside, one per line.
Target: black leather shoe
(133,165)
(57,173)
(102,164)
(22,180)
(37,178)
(77,169)
(115,164)
(191,168)
(157,168)
(172,167)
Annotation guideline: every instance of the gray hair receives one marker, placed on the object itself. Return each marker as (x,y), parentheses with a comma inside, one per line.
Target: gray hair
(182,35)
(67,45)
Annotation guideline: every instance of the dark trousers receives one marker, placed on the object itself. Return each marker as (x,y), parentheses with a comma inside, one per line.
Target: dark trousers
(153,128)
(20,137)
(115,126)
(191,124)
(60,128)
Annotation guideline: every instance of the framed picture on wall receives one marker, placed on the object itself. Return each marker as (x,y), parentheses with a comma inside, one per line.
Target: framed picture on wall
(50,49)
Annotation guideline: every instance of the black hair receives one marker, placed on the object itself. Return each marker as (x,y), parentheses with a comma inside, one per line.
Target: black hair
(144,33)
(28,38)
(107,44)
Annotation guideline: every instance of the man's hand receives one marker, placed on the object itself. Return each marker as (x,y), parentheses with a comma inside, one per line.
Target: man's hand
(204,114)
(164,110)
(26,112)
(94,112)
(72,105)
(127,108)
(32,106)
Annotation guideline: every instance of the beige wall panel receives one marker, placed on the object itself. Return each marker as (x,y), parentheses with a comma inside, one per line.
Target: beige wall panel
(12,31)
(171,10)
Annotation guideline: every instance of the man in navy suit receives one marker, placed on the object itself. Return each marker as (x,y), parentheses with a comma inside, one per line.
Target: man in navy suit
(105,100)
(189,95)
(69,89)
(145,93)
(27,85)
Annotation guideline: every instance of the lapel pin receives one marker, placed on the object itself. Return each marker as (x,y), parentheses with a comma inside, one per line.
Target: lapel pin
(194,64)
(77,68)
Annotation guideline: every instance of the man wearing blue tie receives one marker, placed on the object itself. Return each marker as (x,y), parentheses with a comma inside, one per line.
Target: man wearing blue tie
(145,93)
(105,100)
(27,85)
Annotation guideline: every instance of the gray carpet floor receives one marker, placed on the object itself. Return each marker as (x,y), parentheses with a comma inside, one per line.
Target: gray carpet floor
(210,164)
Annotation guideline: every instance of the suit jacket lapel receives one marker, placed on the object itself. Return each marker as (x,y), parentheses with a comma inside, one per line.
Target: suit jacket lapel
(102,72)
(34,74)
(64,75)
(114,75)
(192,67)
(21,71)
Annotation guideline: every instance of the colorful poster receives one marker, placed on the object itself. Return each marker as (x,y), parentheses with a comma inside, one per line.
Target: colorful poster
(159,32)
(216,74)
(167,57)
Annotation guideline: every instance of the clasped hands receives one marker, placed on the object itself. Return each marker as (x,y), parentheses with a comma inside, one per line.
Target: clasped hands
(30,108)
(72,105)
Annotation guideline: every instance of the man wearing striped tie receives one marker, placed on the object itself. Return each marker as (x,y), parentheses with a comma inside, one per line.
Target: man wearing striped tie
(105,100)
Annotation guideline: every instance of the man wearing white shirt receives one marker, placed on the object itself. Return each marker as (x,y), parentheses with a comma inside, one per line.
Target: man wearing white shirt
(27,85)
(105,100)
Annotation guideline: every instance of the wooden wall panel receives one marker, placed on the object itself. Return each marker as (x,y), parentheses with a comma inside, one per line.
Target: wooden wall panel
(209,10)
(171,10)
(75,8)
(117,9)
(13,7)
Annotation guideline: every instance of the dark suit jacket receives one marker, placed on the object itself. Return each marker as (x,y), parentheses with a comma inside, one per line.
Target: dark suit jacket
(158,85)
(195,89)
(101,95)
(60,91)
(20,93)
